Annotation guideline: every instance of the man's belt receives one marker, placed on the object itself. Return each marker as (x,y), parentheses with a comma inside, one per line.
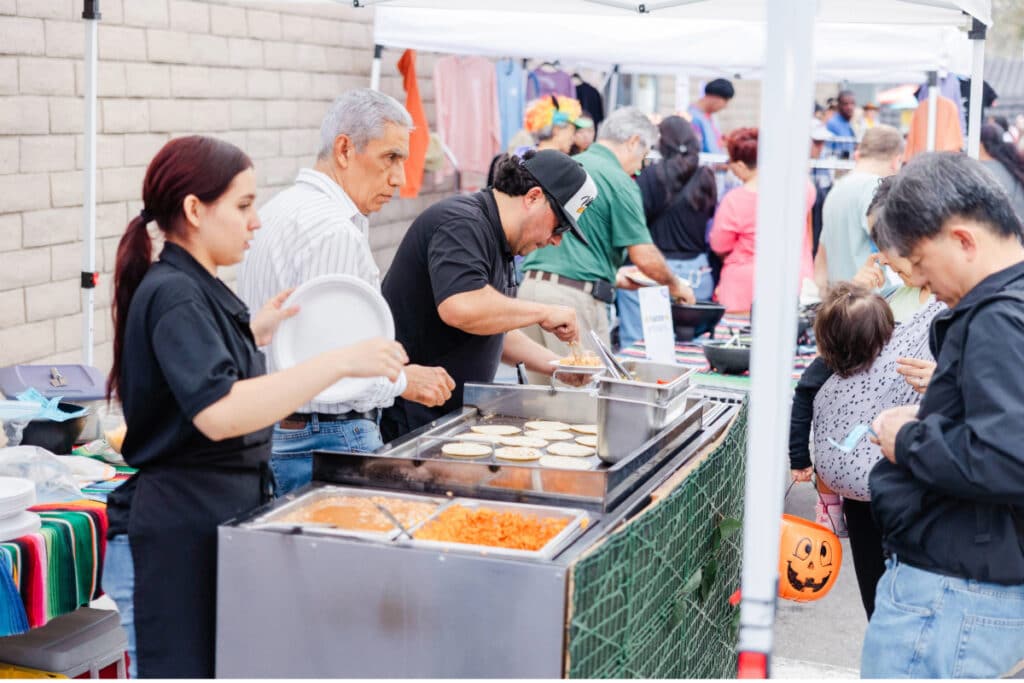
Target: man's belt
(599,289)
(301,420)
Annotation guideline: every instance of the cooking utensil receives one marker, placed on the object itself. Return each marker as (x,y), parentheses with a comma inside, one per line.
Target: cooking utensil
(521,373)
(609,359)
(727,357)
(56,437)
(394,520)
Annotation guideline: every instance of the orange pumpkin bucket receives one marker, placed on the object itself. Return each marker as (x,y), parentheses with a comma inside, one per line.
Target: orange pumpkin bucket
(809,559)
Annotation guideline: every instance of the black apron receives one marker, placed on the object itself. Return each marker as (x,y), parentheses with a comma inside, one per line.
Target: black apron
(178,504)
(173,534)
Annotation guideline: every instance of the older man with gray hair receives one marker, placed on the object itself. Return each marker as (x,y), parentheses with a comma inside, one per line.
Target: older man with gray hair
(319,226)
(584,276)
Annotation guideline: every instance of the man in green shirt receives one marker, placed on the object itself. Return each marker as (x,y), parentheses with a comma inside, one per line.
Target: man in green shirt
(584,276)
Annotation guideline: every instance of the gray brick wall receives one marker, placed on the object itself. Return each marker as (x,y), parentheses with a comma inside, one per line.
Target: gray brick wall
(259,74)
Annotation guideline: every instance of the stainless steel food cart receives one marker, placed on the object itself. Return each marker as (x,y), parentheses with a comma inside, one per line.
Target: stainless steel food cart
(301,601)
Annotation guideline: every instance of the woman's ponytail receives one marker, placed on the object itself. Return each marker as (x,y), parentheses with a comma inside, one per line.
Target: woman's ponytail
(194,165)
(134,256)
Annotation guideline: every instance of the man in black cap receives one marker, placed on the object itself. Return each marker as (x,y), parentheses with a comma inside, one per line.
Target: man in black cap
(717,94)
(452,284)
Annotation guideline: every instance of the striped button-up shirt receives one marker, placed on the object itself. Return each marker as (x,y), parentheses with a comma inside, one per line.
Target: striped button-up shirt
(313,228)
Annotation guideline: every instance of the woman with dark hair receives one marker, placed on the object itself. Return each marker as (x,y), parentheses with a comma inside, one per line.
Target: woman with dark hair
(679,198)
(1002,161)
(733,234)
(198,405)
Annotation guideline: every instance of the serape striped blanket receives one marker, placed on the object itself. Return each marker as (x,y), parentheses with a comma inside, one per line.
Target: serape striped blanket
(689,354)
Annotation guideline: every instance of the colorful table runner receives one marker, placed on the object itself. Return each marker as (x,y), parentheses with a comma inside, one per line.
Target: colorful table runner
(689,354)
(55,570)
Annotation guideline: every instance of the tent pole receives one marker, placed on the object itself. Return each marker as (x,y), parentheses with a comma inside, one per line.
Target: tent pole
(375,68)
(933,100)
(977,36)
(89,276)
(781,221)
(613,93)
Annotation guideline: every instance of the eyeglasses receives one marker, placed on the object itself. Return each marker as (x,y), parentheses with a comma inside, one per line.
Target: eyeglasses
(562,227)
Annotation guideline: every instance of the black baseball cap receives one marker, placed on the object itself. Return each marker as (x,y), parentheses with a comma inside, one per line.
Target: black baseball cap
(565,181)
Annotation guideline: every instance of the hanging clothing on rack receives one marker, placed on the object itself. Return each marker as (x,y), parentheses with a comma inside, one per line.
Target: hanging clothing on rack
(511,98)
(419,137)
(590,100)
(949,86)
(948,135)
(548,80)
(466,98)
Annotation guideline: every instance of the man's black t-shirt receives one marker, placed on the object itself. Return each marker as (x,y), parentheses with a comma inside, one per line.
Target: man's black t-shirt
(455,246)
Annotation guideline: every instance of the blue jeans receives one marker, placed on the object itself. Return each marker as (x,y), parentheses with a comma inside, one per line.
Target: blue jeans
(928,625)
(119,584)
(292,458)
(695,271)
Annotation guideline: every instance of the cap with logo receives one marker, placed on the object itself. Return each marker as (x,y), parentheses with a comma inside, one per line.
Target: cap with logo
(565,181)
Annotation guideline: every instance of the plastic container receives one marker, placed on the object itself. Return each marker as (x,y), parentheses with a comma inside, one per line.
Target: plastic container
(81,384)
(57,437)
(83,641)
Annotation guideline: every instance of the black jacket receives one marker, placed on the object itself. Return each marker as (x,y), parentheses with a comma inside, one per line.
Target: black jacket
(954,502)
(802,415)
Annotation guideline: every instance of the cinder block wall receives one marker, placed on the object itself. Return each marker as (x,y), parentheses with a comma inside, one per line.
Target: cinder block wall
(259,74)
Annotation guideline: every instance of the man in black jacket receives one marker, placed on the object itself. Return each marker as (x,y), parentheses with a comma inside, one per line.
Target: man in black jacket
(949,496)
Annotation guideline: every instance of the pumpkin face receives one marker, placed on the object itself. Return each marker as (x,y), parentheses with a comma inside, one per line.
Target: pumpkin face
(809,559)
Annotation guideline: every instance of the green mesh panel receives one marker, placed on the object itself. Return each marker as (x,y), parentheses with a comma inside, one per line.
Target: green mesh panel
(652,602)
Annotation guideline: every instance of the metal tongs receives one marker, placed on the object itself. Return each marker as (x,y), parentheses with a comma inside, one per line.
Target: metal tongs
(392,518)
(610,362)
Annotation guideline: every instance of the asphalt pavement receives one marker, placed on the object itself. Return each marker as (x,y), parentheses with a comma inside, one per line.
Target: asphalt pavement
(820,639)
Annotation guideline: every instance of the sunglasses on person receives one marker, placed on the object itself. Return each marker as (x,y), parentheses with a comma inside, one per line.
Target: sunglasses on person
(563,226)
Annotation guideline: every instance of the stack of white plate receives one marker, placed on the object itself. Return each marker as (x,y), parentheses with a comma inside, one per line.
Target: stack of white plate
(16,496)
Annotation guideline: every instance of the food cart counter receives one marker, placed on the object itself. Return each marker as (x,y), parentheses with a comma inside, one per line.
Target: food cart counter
(391,595)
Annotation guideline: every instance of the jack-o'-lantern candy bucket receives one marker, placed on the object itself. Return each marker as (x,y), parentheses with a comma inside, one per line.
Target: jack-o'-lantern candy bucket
(809,559)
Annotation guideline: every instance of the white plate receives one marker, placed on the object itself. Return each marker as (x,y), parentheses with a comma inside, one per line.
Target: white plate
(19,525)
(16,494)
(336,311)
(641,279)
(578,369)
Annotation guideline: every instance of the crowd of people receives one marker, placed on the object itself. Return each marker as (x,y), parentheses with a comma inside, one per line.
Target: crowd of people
(556,243)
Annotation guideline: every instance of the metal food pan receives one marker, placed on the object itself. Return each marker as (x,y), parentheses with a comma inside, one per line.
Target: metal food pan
(674,380)
(573,529)
(275,519)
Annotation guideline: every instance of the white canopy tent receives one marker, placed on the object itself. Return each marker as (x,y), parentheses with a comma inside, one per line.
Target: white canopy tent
(778,41)
(653,44)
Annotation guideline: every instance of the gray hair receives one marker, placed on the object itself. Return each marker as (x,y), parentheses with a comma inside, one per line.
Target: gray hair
(360,114)
(624,123)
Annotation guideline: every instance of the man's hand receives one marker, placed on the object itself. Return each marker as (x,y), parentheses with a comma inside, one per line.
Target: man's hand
(917,372)
(426,385)
(871,274)
(888,424)
(681,292)
(622,280)
(561,322)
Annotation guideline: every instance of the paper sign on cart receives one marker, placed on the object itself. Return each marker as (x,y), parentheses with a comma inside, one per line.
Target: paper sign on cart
(656,314)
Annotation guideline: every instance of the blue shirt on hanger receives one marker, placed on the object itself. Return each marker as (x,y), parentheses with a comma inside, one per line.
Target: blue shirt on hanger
(511,98)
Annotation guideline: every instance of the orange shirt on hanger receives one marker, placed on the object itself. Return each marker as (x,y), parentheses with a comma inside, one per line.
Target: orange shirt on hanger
(419,138)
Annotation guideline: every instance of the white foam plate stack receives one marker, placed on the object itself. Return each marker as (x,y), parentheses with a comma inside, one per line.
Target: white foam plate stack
(16,496)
